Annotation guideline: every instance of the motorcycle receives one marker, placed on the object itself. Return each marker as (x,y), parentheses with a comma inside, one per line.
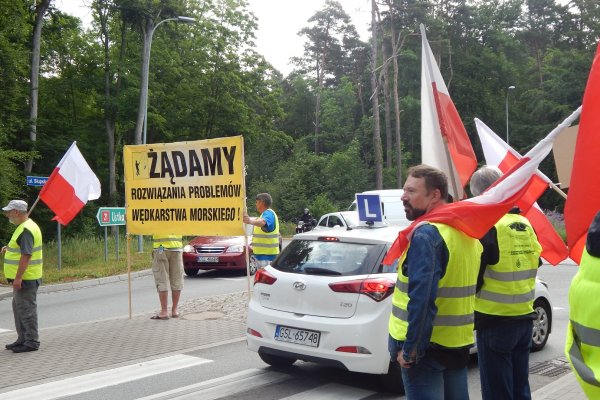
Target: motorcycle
(302,226)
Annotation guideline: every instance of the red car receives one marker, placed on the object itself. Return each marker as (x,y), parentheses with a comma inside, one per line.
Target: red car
(217,252)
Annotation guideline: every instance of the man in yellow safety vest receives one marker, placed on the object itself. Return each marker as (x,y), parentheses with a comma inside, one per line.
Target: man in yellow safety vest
(265,237)
(504,302)
(23,265)
(167,267)
(431,324)
(583,333)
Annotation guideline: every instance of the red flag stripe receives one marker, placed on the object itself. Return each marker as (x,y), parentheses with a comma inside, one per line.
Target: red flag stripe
(583,201)
(60,197)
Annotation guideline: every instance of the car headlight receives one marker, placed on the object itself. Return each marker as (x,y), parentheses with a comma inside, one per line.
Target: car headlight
(189,249)
(239,248)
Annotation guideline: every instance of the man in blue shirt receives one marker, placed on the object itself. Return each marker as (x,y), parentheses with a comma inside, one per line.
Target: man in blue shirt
(431,324)
(265,237)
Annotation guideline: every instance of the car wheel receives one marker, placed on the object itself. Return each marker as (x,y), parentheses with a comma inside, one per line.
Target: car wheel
(253,264)
(276,361)
(190,271)
(541,325)
(392,381)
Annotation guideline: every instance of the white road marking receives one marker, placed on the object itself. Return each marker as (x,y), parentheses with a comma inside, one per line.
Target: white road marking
(222,387)
(5,330)
(558,308)
(102,379)
(332,391)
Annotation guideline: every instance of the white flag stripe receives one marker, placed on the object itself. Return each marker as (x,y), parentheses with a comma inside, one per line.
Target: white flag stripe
(75,170)
(98,380)
(433,149)
(515,181)
(495,149)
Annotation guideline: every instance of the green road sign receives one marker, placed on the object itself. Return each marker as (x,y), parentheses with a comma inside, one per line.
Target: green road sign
(108,216)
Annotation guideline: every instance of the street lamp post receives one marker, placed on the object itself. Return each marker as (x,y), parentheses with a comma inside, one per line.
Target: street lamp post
(187,20)
(507,91)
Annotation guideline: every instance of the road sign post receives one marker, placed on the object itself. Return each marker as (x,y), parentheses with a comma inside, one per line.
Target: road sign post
(111,216)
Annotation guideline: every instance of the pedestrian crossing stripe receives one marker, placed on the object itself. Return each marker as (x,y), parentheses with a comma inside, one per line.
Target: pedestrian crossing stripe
(222,387)
(98,380)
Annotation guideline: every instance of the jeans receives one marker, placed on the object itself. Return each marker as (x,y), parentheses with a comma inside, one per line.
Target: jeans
(503,354)
(429,380)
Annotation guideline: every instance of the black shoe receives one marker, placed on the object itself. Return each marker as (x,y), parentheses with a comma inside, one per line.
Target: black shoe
(23,349)
(11,346)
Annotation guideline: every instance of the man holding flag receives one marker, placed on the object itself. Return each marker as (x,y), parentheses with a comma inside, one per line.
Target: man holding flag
(23,265)
(431,324)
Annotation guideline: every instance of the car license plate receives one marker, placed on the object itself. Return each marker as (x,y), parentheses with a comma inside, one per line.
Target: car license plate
(298,336)
(208,259)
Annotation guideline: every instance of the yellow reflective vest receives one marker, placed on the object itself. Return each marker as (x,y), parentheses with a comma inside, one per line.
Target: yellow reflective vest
(582,345)
(13,253)
(509,286)
(266,243)
(453,323)
(167,241)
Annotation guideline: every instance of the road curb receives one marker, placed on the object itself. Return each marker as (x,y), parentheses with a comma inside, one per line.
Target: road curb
(6,290)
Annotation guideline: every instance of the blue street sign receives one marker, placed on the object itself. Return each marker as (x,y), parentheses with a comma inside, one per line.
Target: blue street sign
(369,207)
(36,180)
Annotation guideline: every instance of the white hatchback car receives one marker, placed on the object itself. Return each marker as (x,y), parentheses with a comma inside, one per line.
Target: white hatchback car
(327,299)
(338,220)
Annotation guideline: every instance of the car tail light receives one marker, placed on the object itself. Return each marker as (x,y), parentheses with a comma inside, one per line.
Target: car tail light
(376,288)
(253,332)
(353,349)
(263,276)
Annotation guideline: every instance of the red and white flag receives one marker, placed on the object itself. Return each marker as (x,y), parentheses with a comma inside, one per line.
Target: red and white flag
(498,153)
(583,201)
(441,123)
(476,216)
(70,186)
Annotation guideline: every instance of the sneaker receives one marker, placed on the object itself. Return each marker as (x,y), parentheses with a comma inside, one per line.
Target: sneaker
(23,349)
(11,346)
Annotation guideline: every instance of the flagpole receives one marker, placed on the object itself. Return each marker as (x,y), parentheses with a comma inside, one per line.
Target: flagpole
(452,176)
(558,190)
(33,206)
(552,135)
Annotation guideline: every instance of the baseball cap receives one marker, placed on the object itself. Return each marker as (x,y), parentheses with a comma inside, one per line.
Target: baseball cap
(15,205)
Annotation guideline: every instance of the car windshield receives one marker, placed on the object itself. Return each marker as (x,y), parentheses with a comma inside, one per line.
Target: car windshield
(330,258)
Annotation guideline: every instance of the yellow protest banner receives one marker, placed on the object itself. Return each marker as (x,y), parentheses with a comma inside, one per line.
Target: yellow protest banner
(185,188)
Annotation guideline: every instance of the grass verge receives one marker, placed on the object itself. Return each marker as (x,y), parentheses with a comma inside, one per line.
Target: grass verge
(83,258)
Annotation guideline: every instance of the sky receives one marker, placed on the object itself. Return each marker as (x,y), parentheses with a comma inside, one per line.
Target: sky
(278,24)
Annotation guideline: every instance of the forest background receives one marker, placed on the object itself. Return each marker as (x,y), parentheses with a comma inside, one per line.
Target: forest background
(312,138)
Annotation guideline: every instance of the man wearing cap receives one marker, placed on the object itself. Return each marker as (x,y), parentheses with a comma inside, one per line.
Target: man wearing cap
(23,265)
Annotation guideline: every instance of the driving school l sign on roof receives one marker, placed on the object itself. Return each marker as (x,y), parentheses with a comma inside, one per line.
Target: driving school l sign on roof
(185,188)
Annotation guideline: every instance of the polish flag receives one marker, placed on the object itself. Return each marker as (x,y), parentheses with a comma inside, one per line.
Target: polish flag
(444,140)
(583,201)
(498,153)
(70,186)
(477,215)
